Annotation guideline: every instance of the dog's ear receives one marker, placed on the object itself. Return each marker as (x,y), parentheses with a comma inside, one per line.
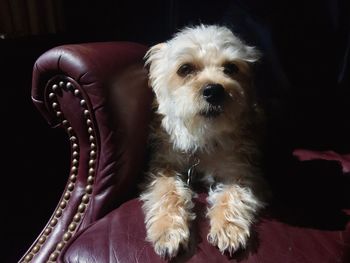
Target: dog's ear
(153,54)
(251,54)
(248,59)
(151,57)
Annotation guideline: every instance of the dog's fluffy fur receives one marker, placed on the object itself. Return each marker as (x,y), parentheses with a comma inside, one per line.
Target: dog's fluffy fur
(219,140)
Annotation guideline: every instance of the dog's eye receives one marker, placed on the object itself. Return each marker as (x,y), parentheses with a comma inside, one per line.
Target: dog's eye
(230,68)
(185,70)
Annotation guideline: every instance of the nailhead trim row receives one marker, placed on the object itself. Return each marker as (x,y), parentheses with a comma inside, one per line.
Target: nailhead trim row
(73,226)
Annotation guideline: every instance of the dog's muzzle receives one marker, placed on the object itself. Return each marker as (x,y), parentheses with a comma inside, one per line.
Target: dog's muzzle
(214,94)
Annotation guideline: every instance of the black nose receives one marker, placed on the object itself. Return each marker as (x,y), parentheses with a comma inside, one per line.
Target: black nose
(214,93)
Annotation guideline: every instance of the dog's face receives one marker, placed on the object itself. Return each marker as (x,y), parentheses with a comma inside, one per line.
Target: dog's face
(201,78)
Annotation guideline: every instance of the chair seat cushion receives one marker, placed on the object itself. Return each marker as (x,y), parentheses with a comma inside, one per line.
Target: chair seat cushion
(120,237)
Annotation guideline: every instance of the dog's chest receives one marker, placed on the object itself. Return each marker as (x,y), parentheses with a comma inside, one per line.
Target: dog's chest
(205,168)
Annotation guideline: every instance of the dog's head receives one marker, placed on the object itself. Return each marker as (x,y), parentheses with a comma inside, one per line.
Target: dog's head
(201,78)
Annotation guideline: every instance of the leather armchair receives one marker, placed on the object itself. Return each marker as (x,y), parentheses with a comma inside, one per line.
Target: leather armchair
(98,93)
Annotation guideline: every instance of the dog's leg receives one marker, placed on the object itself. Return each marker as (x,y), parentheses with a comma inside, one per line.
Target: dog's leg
(167,206)
(231,213)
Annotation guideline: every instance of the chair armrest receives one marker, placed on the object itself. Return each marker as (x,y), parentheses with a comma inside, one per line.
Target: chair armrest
(98,93)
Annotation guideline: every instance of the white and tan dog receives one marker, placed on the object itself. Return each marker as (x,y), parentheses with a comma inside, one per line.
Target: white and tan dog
(205,129)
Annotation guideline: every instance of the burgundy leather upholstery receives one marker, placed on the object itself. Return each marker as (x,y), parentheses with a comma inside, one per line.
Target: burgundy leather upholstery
(120,237)
(286,232)
(98,92)
(101,97)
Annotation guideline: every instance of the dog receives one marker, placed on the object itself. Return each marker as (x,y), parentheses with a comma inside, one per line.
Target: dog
(206,129)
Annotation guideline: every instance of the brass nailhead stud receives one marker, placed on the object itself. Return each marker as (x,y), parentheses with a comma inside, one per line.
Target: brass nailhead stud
(53,222)
(69,85)
(58,213)
(63,204)
(36,248)
(29,257)
(60,245)
(66,196)
(92,163)
(88,189)
(42,239)
(67,236)
(74,169)
(73,177)
(85,199)
(48,231)
(72,226)
(90,179)
(54,256)
(77,217)
(70,187)
(81,208)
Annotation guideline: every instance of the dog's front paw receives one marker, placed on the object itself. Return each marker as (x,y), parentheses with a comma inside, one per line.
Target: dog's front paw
(232,212)
(228,236)
(167,240)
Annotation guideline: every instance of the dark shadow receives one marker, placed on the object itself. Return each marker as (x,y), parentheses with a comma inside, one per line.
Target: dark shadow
(312,194)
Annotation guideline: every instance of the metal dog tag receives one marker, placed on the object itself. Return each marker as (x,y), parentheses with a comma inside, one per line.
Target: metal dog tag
(190,172)
(189,175)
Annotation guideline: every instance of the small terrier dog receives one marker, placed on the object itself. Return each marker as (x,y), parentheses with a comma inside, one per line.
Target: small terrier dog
(206,129)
